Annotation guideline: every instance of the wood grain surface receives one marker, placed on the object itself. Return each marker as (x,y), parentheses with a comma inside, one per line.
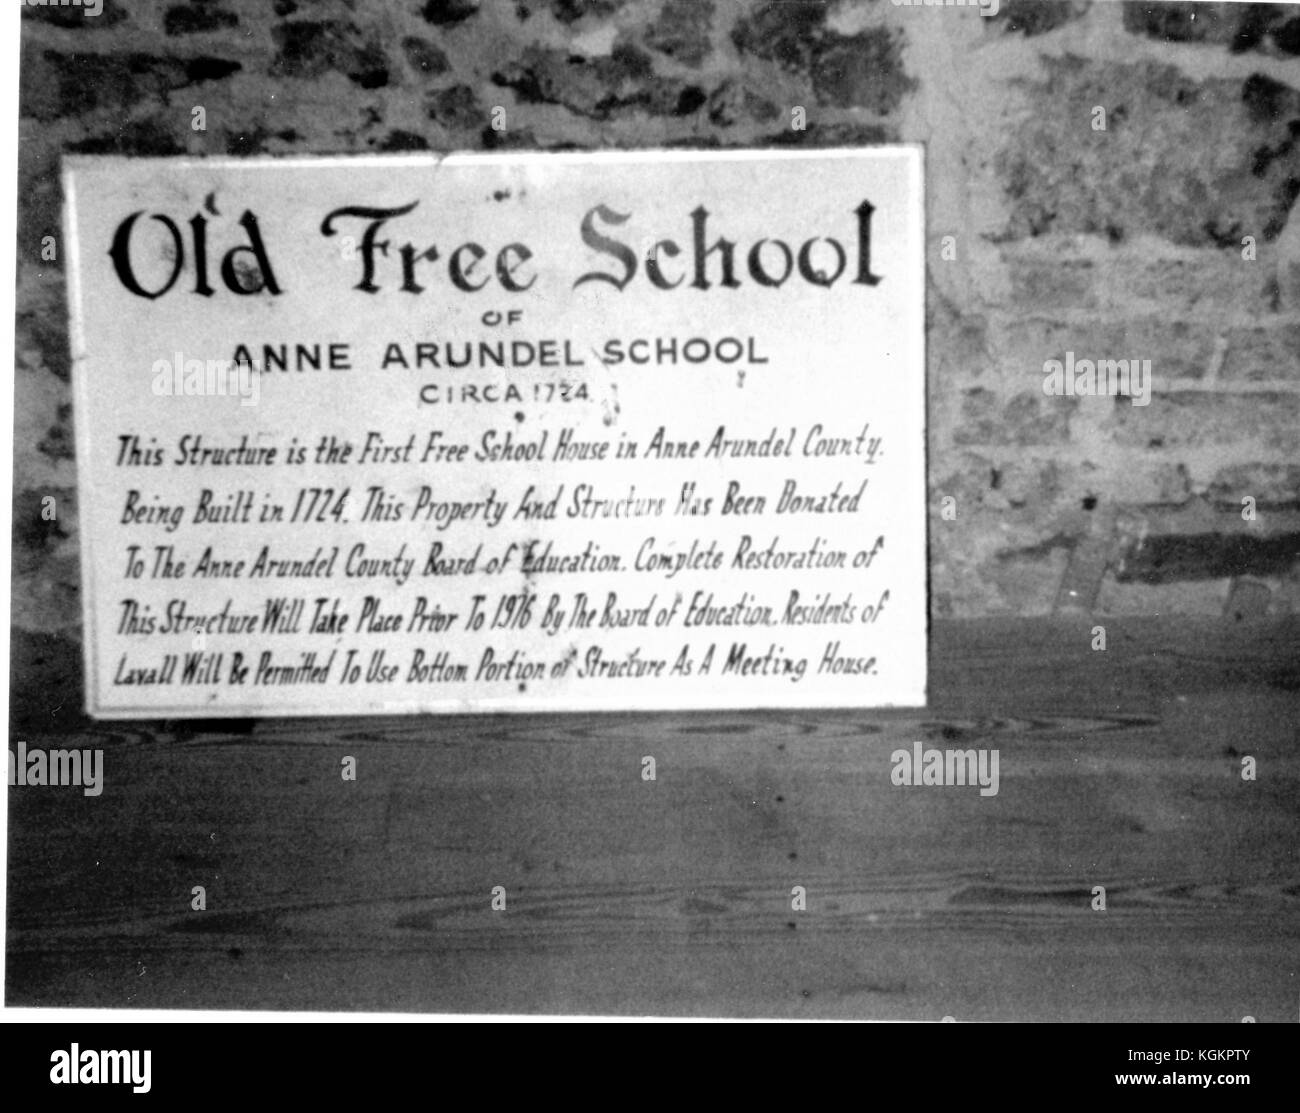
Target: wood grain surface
(1119,768)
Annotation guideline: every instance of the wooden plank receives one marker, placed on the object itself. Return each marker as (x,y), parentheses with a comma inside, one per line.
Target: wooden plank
(1119,768)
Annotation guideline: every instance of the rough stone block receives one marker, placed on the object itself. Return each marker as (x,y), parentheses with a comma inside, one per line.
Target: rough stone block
(1271,485)
(197,17)
(1148,171)
(424,57)
(310,49)
(1263,354)
(1196,419)
(1023,419)
(1271,28)
(682,31)
(1033,17)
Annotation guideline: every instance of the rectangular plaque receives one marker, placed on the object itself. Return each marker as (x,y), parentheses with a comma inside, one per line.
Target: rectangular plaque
(500,433)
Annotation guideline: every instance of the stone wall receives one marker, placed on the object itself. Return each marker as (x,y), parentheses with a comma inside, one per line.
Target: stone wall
(1167,234)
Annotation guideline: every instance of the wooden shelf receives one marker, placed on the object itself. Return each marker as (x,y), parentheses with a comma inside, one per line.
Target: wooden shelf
(1119,768)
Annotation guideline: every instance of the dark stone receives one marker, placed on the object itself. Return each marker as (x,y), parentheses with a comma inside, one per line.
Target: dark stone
(689,100)
(198,70)
(525,83)
(682,31)
(136,137)
(1240,27)
(1207,556)
(1253,24)
(83,83)
(1179,22)
(1034,17)
(660,97)
(309,49)
(861,71)
(48,333)
(371,70)
(784,32)
(625,63)
(598,88)
(456,107)
(250,141)
(570,11)
(697,143)
(1287,36)
(833,135)
(514,139)
(424,56)
(1267,100)
(200,16)
(851,71)
(403,141)
(306,49)
(732,103)
(444,12)
(256,140)
(57,443)
(76,17)
(122,81)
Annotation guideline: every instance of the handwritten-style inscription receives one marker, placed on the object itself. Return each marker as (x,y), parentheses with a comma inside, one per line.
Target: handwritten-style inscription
(485,433)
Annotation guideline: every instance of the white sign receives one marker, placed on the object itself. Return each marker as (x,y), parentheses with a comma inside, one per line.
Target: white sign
(500,433)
